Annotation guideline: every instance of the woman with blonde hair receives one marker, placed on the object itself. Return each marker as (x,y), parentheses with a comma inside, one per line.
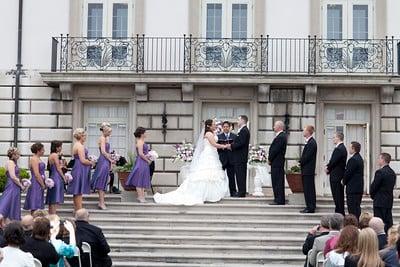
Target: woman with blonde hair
(389,254)
(103,166)
(367,254)
(80,183)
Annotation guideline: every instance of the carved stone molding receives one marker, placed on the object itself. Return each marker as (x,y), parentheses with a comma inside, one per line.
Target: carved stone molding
(66,91)
(187,91)
(263,92)
(141,91)
(311,93)
(387,92)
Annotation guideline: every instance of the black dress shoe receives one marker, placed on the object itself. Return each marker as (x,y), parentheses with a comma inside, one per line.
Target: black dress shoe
(240,195)
(307,211)
(276,204)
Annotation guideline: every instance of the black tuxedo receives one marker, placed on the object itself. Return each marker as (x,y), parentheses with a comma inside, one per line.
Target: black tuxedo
(307,164)
(353,179)
(276,157)
(381,192)
(226,158)
(336,167)
(100,248)
(240,149)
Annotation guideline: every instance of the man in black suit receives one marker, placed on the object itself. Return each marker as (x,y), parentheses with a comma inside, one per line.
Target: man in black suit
(381,190)
(94,236)
(226,157)
(276,158)
(353,179)
(335,169)
(307,164)
(240,149)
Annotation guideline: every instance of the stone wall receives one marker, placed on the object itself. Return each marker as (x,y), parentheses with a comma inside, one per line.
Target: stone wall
(43,116)
(179,113)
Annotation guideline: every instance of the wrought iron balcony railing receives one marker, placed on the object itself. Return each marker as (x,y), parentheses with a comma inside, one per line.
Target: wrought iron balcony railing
(188,54)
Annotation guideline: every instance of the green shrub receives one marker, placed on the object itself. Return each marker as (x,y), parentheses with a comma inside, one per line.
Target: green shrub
(23,173)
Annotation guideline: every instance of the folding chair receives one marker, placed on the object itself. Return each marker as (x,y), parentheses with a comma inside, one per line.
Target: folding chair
(37,262)
(87,249)
(308,258)
(320,259)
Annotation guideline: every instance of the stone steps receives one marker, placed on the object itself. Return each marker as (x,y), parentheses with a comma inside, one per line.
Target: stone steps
(166,264)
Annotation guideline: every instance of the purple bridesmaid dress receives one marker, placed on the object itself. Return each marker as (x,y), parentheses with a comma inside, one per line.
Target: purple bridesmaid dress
(55,195)
(102,172)
(35,197)
(81,174)
(10,201)
(140,174)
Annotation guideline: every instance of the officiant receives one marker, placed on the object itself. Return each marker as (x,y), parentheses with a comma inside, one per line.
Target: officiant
(225,155)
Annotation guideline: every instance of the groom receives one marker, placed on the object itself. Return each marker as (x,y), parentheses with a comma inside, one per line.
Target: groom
(240,149)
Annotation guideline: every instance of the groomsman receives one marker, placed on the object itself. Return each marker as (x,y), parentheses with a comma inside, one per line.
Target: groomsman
(381,190)
(276,158)
(353,179)
(307,164)
(240,149)
(335,169)
(226,156)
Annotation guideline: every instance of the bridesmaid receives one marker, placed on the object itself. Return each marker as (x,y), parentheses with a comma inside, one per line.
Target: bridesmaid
(35,195)
(55,195)
(10,201)
(103,165)
(81,169)
(140,174)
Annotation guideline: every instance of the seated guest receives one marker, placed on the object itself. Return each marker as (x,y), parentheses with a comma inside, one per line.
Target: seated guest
(40,213)
(2,240)
(389,254)
(335,224)
(27,225)
(348,220)
(378,226)
(367,251)
(39,244)
(364,219)
(93,235)
(13,256)
(347,244)
(316,231)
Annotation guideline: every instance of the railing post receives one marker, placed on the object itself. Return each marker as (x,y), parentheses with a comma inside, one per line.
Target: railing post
(392,58)
(190,53)
(261,54)
(66,53)
(267,55)
(61,51)
(387,54)
(143,53)
(309,55)
(184,53)
(137,53)
(315,54)
(54,46)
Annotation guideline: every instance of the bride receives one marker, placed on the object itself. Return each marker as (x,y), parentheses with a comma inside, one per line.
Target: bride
(206,181)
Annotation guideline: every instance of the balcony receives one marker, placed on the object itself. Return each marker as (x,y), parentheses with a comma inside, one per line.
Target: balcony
(264,55)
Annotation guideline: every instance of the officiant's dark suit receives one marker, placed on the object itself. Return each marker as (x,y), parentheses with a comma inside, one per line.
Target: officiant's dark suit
(240,149)
(335,169)
(353,179)
(307,164)
(226,158)
(276,158)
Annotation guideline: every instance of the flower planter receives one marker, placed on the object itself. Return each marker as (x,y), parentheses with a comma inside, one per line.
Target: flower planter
(123,177)
(295,183)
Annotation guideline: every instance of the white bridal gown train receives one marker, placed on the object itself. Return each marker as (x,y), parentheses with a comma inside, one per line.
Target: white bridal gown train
(206,181)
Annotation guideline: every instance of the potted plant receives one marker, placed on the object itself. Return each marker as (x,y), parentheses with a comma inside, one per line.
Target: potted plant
(124,171)
(293,177)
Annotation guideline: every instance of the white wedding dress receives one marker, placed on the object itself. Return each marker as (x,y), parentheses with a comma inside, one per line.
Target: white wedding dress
(206,181)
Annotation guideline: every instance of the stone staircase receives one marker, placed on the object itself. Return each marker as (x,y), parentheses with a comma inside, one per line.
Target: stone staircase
(234,232)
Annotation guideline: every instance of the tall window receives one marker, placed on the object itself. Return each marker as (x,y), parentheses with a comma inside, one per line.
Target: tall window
(214,21)
(360,22)
(239,21)
(335,22)
(95,20)
(120,21)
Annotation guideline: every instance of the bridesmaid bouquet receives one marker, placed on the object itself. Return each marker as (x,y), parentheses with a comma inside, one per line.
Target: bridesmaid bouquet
(184,152)
(114,156)
(26,183)
(68,177)
(153,155)
(93,158)
(257,155)
(49,182)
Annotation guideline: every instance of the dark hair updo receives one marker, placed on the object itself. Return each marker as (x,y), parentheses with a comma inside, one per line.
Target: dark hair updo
(207,126)
(36,147)
(139,132)
(54,145)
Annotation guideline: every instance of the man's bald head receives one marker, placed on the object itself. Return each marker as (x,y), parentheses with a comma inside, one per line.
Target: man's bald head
(82,215)
(279,126)
(27,222)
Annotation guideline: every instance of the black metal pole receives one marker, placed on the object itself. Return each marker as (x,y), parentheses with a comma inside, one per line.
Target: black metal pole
(18,73)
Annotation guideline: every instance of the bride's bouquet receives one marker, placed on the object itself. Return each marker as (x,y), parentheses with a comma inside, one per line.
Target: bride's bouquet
(257,155)
(184,152)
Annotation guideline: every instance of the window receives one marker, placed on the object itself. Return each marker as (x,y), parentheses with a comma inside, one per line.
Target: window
(239,21)
(335,22)
(120,21)
(214,21)
(360,22)
(95,21)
